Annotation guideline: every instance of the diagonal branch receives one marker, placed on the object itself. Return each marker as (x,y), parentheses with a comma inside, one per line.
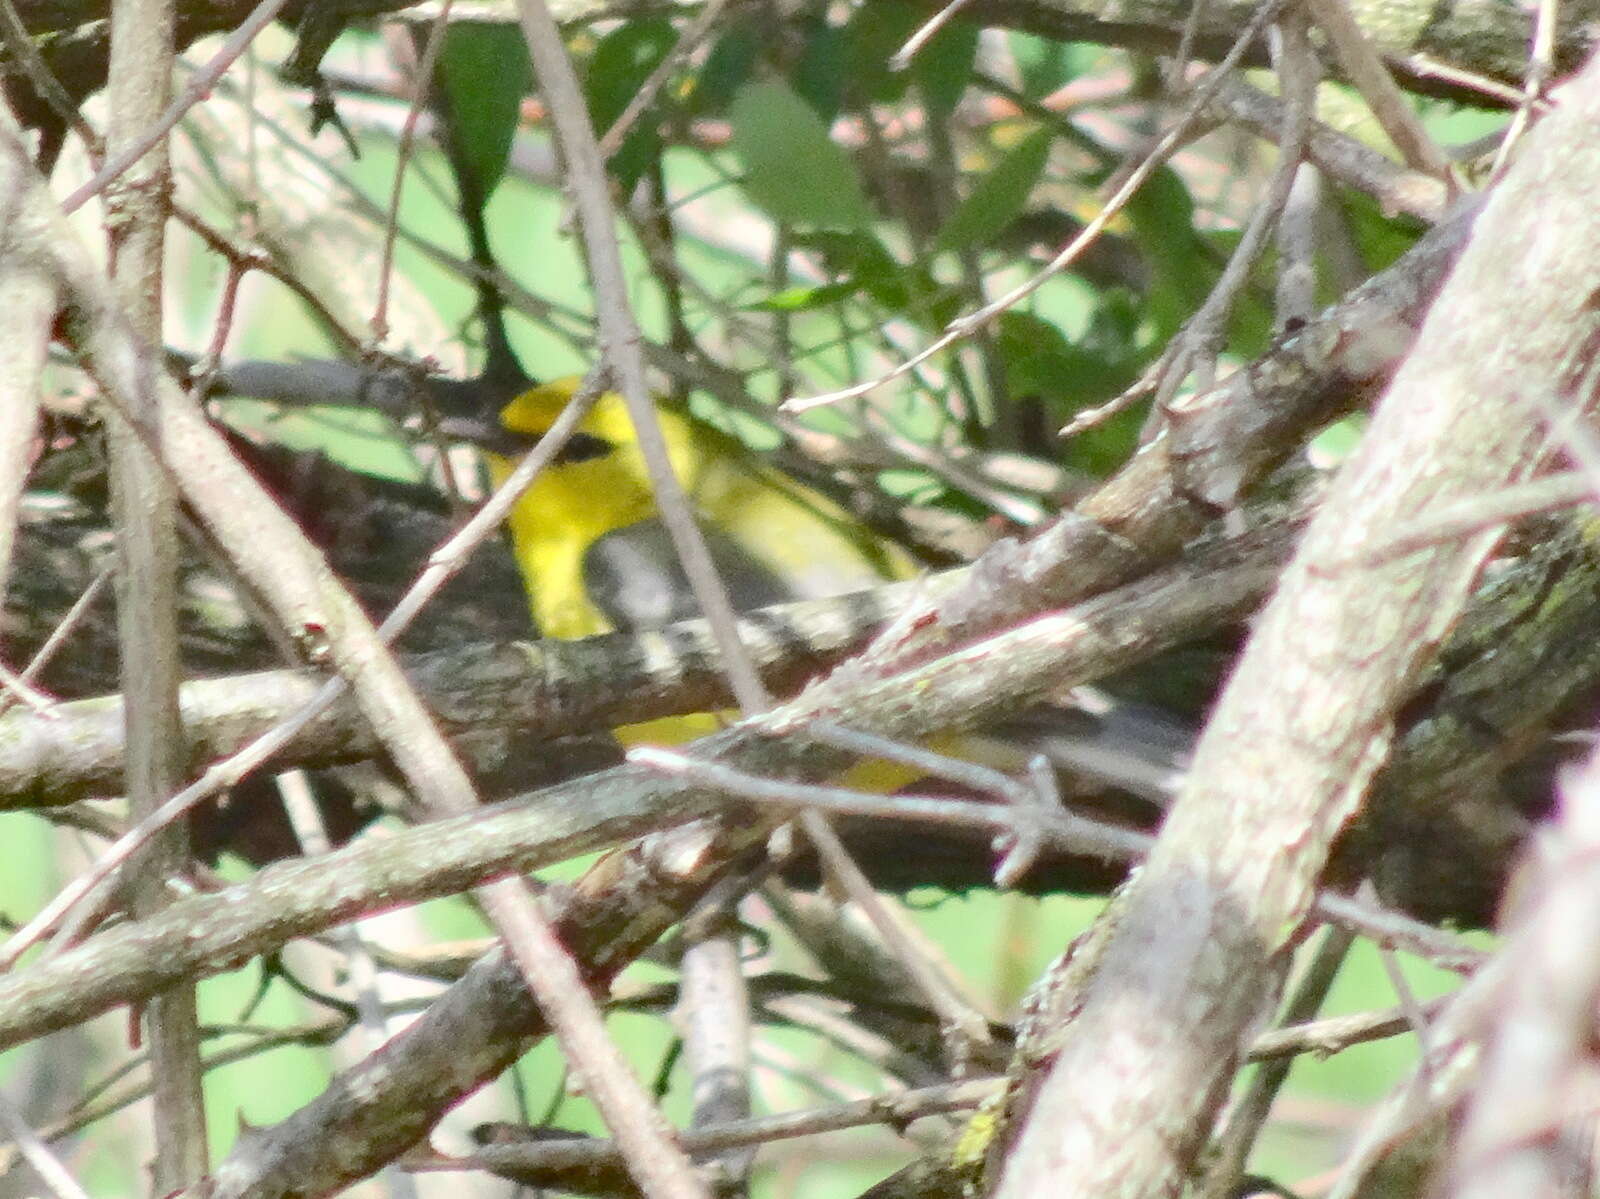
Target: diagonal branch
(205,934)
(1195,945)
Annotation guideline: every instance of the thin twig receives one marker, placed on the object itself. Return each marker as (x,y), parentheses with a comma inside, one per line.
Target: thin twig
(1142,388)
(964,1028)
(924,761)
(199,88)
(18,690)
(1178,65)
(64,628)
(1066,830)
(620,340)
(901,1109)
(244,261)
(1391,108)
(19,43)
(649,1146)
(1396,188)
(1335,1033)
(653,1159)
(50,1168)
(713,1018)
(419,93)
(1388,927)
(1195,349)
(642,99)
(233,768)
(1410,1005)
(1296,297)
(144,504)
(101,1100)
(901,59)
(1477,513)
(305,818)
(1251,1109)
(1159,153)
(1541,68)
(1426,66)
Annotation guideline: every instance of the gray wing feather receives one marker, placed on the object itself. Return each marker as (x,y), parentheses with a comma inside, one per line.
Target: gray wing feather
(632,574)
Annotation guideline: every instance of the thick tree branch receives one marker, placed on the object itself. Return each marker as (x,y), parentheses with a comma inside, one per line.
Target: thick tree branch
(540,690)
(1224,442)
(205,934)
(1150,1025)
(1487,39)
(146,506)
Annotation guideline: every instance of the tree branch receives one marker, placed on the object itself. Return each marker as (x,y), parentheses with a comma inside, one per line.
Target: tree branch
(1197,941)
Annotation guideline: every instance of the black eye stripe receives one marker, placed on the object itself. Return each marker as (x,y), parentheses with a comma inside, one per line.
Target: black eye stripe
(583,447)
(580,447)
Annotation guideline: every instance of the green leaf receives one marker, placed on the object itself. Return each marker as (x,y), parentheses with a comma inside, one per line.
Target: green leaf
(1041,360)
(1046,65)
(792,169)
(912,486)
(1038,357)
(1043,364)
(617,70)
(621,63)
(876,31)
(1380,238)
(848,253)
(806,298)
(1336,443)
(1183,265)
(943,67)
(819,77)
(998,198)
(726,68)
(866,264)
(485,74)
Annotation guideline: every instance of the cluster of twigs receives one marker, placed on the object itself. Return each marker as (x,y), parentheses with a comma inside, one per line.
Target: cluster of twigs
(1341,704)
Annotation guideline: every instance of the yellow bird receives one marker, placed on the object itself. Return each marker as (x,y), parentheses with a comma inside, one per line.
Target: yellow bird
(596,557)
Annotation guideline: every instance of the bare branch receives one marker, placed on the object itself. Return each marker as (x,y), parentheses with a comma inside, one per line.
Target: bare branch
(1199,936)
